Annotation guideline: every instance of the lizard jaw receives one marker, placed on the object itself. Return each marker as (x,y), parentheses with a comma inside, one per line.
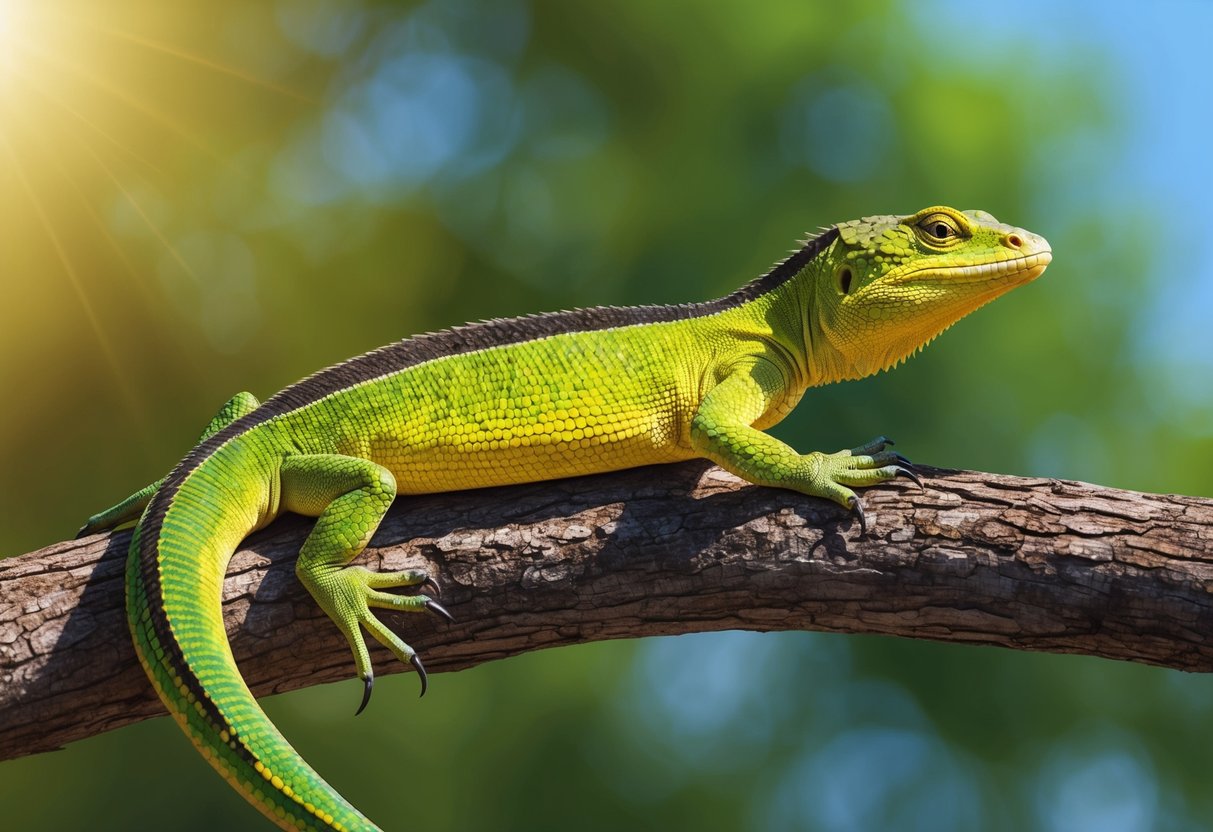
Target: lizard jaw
(1022,269)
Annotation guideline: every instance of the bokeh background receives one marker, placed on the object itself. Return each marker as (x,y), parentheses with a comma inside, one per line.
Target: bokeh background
(200,198)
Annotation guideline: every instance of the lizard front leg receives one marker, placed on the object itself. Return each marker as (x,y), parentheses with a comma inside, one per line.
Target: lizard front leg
(722,430)
(350,495)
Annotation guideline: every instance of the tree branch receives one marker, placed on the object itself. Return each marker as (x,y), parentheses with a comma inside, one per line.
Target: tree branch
(1034,564)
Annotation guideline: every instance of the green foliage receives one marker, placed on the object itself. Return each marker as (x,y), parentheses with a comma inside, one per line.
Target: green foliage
(306,180)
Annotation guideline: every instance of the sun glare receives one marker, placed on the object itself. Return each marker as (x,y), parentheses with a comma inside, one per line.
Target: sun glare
(93,99)
(8,22)
(16,28)
(11,14)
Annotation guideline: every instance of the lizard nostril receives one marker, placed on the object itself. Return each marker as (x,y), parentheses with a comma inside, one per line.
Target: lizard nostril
(1013,241)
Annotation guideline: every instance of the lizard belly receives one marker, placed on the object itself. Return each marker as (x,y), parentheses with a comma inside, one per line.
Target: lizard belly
(484,456)
(525,438)
(507,417)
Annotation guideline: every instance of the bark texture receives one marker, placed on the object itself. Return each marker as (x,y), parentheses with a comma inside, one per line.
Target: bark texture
(1034,564)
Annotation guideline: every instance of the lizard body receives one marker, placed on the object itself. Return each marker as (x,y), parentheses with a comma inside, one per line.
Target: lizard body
(520,400)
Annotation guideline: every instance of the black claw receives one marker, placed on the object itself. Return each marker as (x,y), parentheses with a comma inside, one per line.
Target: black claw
(425,681)
(857,510)
(367,684)
(888,441)
(84,532)
(434,606)
(903,460)
(430,582)
(910,475)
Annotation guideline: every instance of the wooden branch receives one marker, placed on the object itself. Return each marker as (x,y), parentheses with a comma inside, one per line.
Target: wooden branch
(1034,564)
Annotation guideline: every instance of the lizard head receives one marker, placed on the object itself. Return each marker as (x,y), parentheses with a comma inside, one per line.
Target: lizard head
(888,285)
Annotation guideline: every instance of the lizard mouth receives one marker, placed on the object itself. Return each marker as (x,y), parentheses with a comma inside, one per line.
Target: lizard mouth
(1026,268)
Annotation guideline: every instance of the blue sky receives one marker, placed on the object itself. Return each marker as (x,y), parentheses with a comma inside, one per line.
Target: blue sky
(1156,169)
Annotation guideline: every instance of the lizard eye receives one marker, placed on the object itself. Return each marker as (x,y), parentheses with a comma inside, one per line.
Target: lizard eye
(939,228)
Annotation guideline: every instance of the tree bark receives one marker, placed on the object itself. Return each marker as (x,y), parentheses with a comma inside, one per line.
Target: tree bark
(1034,564)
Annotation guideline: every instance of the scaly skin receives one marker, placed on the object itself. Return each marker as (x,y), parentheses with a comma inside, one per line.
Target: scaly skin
(516,401)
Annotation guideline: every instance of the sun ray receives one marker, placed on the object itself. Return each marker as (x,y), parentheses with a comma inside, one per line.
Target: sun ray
(126,392)
(32,84)
(99,221)
(188,57)
(136,276)
(125,97)
(147,220)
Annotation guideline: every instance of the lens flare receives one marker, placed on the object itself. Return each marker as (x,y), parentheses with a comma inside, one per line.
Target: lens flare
(107,109)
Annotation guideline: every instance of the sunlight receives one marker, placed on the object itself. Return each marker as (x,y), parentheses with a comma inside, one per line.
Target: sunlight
(199,60)
(8,10)
(82,73)
(12,14)
(23,23)
(71,271)
(84,99)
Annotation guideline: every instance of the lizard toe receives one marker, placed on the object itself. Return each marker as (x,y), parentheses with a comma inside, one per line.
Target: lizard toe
(368,682)
(857,509)
(415,661)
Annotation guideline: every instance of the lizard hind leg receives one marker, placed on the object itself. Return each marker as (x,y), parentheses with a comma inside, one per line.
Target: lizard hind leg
(128,510)
(350,495)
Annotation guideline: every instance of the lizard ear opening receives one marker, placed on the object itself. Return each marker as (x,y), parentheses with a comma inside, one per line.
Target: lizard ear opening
(843,276)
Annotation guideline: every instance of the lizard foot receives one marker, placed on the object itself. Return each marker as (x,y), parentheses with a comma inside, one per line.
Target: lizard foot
(834,475)
(350,594)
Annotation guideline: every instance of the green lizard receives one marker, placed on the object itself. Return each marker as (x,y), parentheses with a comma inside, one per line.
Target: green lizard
(519,400)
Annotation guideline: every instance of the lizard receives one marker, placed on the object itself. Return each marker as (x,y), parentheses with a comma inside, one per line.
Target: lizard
(519,400)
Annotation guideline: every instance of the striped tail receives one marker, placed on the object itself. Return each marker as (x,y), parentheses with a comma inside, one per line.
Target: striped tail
(174,578)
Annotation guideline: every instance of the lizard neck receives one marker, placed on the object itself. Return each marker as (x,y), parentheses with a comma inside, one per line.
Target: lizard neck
(778,312)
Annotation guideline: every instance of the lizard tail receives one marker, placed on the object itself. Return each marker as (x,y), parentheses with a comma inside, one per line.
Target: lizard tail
(174,578)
